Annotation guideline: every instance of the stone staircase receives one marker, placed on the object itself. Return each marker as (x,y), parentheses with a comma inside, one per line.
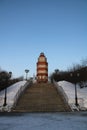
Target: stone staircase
(41,97)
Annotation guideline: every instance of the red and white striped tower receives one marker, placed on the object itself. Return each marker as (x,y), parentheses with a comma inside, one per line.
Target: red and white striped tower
(42,69)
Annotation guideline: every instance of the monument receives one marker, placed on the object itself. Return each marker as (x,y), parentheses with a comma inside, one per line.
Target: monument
(42,69)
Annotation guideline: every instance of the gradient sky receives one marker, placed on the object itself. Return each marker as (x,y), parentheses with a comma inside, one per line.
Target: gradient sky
(28,27)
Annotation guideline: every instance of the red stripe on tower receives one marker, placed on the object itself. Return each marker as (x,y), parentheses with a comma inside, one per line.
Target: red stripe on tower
(42,69)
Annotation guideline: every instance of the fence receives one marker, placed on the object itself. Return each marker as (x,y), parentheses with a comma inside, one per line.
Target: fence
(20,91)
(60,89)
(70,101)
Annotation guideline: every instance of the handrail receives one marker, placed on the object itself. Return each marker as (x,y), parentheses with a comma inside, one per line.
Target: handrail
(20,91)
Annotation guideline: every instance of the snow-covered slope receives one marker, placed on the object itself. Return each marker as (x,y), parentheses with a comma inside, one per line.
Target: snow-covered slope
(69,90)
(12,94)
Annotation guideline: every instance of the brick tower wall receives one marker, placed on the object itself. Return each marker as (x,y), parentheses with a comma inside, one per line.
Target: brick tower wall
(42,69)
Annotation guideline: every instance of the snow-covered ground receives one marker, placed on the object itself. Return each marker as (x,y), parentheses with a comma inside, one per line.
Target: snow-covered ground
(68,90)
(12,94)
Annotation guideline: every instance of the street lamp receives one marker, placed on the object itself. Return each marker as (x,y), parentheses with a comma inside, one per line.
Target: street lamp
(5,97)
(26,71)
(10,74)
(76,98)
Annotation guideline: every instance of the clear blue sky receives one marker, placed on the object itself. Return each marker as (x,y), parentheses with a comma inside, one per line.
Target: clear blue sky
(28,27)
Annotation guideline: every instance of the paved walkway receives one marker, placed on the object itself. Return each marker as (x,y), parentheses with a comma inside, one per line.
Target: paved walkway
(44,121)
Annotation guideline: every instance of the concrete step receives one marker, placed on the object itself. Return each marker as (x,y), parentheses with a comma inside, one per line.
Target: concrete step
(42,97)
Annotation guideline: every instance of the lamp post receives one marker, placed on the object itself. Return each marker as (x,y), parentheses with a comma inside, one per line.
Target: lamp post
(76,98)
(10,74)
(26,71)
(5,97)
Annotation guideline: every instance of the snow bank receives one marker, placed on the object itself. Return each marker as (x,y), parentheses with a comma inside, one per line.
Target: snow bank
(13,93)
(68,90)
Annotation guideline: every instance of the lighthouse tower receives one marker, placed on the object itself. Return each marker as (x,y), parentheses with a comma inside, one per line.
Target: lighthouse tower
(42,69)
